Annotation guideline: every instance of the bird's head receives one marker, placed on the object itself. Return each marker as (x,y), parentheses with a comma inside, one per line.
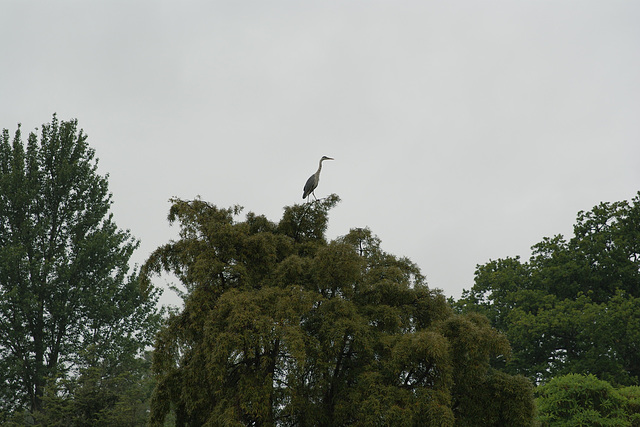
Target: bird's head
(326,158)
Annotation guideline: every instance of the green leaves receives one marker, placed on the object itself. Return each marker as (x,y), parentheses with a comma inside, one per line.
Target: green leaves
(574,400)
(573,307)
(67,300)
(282,327)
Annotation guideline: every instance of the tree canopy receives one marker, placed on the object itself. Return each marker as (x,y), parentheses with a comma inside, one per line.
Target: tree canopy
(584,400)
(574,307)
(68,303)
(282,327)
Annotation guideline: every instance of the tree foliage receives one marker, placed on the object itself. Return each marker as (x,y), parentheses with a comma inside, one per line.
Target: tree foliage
(575,306)
(67,301)
(282,327)
(95,398)
(584,400)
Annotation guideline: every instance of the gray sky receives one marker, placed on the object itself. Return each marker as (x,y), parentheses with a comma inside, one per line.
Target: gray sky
(463,131)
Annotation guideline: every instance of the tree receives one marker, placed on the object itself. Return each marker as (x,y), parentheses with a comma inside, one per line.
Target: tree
(67,301)
(584,400)
(282,327)
(575,306)
(96,398)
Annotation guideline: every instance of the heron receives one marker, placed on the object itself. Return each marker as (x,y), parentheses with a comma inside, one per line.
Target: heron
(313,180)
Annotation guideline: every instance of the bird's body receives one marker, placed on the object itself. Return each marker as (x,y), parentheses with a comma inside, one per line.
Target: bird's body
(313,180)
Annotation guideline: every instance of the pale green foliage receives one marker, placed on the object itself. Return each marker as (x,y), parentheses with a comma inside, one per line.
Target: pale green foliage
(281,327)
(584,400)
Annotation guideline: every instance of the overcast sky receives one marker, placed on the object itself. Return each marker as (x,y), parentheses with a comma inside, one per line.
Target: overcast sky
(463,131)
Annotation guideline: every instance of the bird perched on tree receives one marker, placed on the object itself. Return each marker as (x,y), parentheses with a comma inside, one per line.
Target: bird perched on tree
(313,180)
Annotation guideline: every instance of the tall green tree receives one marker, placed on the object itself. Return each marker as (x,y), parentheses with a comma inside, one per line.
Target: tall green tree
(574,307)
(67,300)
(282,327)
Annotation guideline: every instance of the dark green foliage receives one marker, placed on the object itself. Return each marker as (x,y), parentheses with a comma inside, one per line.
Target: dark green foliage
(575,306)
(584,400)
(486,397)
(281,327)
(100,398)
(67,301)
